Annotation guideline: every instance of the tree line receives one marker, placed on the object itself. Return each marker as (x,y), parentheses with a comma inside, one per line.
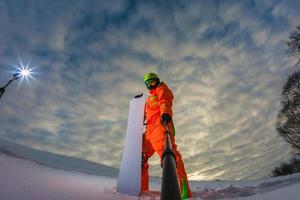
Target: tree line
(288,118)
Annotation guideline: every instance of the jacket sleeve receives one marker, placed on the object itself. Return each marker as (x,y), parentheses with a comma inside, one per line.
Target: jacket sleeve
(145,114)
(165,98)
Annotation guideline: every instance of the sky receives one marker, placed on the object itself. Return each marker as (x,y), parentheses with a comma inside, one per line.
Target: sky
(225,62)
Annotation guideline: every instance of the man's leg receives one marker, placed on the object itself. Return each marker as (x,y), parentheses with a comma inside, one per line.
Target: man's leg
(157,141)
(182,177)
(147,152)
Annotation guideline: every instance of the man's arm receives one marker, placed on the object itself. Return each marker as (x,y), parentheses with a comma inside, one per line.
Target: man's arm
(165,98)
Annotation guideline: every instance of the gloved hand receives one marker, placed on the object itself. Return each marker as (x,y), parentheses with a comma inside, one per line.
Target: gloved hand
(165,118)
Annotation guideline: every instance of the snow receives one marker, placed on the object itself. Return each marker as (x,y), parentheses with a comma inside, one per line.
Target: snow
(22,179)
(55,160)
(25,179)
(287,193)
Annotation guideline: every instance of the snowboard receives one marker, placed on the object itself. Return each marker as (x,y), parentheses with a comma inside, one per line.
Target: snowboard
(129,180)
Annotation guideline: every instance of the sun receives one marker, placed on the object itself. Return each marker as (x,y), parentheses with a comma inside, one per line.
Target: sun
(24,72)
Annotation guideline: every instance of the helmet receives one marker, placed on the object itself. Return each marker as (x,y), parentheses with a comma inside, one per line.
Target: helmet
(147,79)
(149,76)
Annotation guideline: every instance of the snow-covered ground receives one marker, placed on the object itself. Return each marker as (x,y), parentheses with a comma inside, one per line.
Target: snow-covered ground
(55,160)
(24,178)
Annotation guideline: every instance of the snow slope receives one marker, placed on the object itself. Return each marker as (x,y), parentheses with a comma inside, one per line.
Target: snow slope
(23,179)
(55,160)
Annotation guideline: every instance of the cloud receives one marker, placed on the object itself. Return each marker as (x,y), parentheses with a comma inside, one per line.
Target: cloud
(224,61)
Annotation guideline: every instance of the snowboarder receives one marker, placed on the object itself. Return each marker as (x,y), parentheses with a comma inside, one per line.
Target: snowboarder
(158,110)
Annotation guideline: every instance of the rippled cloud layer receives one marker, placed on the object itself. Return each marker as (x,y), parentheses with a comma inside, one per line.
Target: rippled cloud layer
(224,60)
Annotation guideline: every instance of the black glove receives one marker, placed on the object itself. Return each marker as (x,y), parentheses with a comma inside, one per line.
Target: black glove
(166,118)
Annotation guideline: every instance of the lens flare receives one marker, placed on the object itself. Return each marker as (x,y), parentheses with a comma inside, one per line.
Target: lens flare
(25,72)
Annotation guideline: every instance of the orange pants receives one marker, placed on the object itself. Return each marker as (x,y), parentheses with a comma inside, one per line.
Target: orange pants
(153,141)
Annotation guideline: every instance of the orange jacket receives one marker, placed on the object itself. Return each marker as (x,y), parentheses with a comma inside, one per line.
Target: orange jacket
(158,103)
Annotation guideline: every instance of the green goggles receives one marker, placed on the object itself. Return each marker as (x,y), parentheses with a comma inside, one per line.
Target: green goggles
(150,82)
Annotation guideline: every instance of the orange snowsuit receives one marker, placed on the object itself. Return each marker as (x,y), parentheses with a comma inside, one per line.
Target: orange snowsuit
(158,103)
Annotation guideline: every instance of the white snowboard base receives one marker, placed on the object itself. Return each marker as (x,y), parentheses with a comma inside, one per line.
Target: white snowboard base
(129,181)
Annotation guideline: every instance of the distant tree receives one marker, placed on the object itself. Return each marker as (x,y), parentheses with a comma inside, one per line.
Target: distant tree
(287,168)
(276,172)
(296,164)
(288,119)
(294,44)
